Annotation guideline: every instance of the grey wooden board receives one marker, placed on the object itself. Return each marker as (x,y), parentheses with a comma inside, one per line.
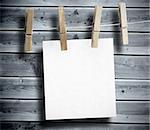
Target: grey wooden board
(13,41)
(18,65)
(33,110)
(33,88)
(70,126)
(47,19)
(106,3)
(133,67)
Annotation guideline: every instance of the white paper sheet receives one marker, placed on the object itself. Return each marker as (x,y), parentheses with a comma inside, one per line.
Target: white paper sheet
(79,82)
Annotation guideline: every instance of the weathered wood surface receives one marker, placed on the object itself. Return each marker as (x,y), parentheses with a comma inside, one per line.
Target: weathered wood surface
(70,126)
(133,67)
(106,3)
(33,88)
(33,110)
(13,41)
(19,72)
(47,19)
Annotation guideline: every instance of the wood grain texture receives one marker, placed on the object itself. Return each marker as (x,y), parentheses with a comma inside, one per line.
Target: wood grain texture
(48,125)
(133,67)
(47,19)
(33,110)
(13,41)
(106,3)
(33,88)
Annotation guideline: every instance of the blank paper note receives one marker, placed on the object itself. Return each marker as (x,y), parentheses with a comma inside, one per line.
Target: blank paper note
(79,82)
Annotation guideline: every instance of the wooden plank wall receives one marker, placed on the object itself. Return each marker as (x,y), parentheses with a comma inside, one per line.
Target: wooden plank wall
(21,74)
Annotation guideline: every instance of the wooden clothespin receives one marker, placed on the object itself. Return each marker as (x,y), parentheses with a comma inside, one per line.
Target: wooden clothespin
(28,34)
(123,21)
(96,26)
(62,28)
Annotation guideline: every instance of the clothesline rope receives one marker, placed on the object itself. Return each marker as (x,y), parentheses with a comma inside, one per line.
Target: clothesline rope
(113,24)
(90,26)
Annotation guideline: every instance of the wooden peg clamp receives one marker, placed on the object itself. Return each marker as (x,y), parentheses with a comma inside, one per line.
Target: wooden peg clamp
(96,26)
(123,21)
(28,34)
(62,28)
